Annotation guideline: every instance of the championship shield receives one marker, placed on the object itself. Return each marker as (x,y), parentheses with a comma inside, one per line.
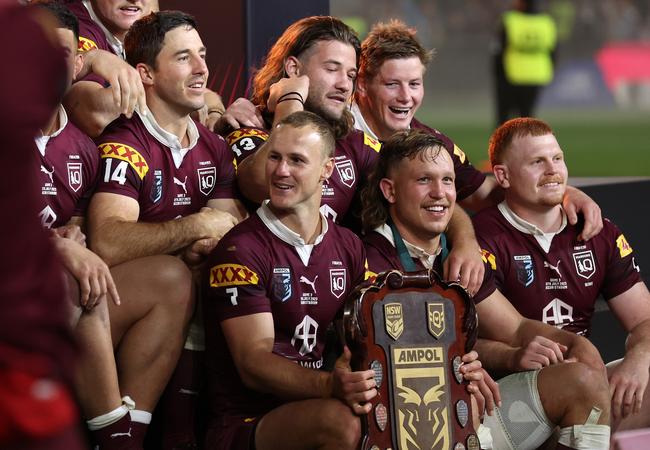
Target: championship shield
(412,329)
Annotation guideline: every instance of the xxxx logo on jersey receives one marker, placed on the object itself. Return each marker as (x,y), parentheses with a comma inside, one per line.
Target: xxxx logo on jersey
(489,258)
(623,247)
(247,132)
(86,44)
(232,275)
(372,143)
(125,153)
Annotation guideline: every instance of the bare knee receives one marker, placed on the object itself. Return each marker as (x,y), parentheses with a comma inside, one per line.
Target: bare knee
(172,281)
(342,427)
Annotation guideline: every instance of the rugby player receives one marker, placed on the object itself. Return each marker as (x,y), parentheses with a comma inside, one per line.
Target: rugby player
(407,206)
(166,187)
(548,274)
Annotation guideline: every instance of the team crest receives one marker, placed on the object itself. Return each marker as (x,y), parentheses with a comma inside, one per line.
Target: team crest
(157,187)
(525,269)
(394,320)
(346,172)
(207,179)
(585,264)
(337,282)
(436,316)
(281,284)
(75,177)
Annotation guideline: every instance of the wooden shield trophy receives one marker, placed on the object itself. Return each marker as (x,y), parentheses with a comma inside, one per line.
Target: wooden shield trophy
(412,329)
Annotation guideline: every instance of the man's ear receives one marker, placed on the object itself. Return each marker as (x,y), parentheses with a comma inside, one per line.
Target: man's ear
(361,86)
(146,74)
(78,64)
(387,187)
(501,175)
(292,66)
(328,168)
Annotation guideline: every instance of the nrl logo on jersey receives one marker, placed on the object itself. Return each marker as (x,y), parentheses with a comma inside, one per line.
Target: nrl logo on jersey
(281,284)
(346,172)
(585,264)
(525,269)
(207,179)
(157,186)
(75,179)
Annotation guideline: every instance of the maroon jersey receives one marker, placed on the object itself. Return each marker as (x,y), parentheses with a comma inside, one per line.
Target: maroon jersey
(383,256)
(91,34)
(255,269)
(468,179)
(354,158)
(69,165)
(559,286)
(142,161)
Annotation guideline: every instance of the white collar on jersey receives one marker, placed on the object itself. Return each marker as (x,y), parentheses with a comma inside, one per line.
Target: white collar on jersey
(419,253)
(360,122)
(41,141)
(292,238)
(544,239)
(168,139)
(114,42)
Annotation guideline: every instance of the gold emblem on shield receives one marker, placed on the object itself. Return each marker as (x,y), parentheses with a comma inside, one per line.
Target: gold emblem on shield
(394,320)
(436,315)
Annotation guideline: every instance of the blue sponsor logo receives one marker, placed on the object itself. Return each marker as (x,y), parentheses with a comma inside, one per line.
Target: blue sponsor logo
(157,188)
(281,284)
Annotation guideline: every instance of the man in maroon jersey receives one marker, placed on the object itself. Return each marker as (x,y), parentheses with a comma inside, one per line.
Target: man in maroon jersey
(37,352)
(275,283)
(548,274)
(103,26)
(390,89)
(313,66)
(166,182)
(407,206)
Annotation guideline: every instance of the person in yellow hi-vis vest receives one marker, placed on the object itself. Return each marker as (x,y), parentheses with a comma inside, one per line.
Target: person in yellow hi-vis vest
(524,59)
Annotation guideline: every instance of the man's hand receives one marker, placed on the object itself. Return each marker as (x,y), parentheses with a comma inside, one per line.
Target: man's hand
(481,385)
(194,255)
(575,201)
(465,265)
(241,113)
(355,389)
(213,223)
(93,275)
(627,385)
(71,232)
(538,353)
(211,111)
(284,86)
(125,81)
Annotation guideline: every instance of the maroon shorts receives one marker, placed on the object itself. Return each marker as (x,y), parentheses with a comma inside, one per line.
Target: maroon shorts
(232,433)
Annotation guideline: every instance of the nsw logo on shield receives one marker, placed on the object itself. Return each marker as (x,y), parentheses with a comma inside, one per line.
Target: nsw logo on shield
(75,179)
(281,284)
(207,179)
(436,316)
(525,269)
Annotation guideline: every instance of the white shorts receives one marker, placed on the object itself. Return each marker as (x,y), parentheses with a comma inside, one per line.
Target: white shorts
(521,422)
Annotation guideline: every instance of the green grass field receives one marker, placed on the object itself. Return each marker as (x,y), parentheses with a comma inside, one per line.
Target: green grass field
(595,144)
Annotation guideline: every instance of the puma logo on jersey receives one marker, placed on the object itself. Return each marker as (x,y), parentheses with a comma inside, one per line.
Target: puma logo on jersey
(556,267)
(49,173)
(181,183)
(304,279)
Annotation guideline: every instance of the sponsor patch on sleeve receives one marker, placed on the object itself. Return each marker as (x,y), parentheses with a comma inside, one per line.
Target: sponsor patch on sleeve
(372,143)
(232,275)
(125,153)
(461,154)
(623,247)
(86,44)
(242,133)
(489,258)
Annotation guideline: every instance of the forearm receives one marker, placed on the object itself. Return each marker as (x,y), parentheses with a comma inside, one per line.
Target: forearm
(276,375)
(637,345)
(496,357)
(91,107)
(120,241)
(460,230)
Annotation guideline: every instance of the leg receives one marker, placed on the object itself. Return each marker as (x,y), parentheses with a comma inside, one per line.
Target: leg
(309,424)
(148,328)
